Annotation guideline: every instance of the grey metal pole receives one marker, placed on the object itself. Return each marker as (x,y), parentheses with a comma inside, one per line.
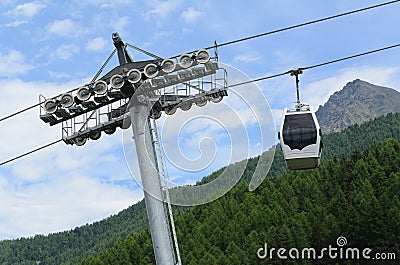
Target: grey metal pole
(163,250)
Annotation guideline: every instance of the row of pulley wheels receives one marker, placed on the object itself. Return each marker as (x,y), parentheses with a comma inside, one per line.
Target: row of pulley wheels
(133,76)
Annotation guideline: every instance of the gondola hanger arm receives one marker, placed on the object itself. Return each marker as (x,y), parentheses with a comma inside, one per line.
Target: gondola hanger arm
(296,72)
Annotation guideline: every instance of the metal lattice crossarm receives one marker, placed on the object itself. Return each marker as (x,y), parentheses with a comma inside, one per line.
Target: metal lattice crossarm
(169,84)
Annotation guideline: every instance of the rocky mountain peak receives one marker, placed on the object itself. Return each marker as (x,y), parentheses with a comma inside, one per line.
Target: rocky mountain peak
(358,102)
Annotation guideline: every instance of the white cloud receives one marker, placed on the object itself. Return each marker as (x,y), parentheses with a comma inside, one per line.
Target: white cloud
(66,28)
(110,4)
(96,44)
(247,57)
(65,51)
(59,75)
(162,8)
(13,24)
(25,131)
(59,187)
(27,10)
(191,15)
(13,64)
(119,23)
(60,204)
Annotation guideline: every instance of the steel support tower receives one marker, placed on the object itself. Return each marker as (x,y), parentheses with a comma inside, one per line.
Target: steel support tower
(130,95)
(158,220)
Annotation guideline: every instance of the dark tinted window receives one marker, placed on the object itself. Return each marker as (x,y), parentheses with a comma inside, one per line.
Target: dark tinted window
(299,131)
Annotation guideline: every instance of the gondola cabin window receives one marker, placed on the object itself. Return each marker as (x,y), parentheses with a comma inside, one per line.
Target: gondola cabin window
(299,131)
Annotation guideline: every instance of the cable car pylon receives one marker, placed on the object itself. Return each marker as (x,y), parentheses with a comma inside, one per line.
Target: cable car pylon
(129,95)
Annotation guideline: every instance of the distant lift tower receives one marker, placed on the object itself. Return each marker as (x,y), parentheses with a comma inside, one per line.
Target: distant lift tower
(130,95)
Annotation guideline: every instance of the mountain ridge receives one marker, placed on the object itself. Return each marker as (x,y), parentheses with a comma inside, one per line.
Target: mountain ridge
(358,102)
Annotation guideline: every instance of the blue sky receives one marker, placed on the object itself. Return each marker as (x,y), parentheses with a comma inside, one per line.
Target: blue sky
(48,47)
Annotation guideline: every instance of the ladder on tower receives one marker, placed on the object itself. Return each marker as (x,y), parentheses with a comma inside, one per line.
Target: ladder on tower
(166,192)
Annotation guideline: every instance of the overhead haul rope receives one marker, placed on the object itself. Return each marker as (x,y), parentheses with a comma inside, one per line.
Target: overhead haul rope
(316,65)
(72,90)
(300,25)
(265,78)
(231,42)
(30,152)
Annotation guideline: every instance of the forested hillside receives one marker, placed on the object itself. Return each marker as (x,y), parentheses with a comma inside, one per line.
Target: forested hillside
(72,246)
(356,197)
(336,176)
(359,137)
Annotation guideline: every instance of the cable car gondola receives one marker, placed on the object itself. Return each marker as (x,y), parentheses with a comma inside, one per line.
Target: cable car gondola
(300,138)
(300,134)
